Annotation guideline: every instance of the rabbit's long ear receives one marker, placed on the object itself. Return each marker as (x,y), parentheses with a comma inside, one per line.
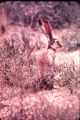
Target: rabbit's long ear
(47,32)
(47,28)
(40,22)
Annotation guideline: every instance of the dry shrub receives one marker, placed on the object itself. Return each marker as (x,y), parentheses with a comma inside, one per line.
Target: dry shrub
(67,75)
